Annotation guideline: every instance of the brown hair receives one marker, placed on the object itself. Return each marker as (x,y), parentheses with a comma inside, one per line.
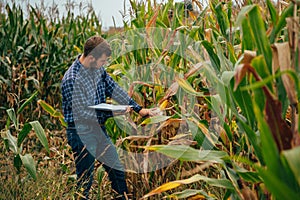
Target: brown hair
(96,46)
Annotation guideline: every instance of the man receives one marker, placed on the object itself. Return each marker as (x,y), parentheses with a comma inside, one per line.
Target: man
(86,83)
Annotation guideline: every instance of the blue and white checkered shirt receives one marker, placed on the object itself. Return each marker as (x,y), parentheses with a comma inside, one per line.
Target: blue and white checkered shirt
(82,87)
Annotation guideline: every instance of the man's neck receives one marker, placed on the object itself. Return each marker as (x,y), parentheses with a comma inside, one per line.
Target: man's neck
(81,60)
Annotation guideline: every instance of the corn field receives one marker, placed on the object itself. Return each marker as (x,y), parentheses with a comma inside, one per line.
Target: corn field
(225,74)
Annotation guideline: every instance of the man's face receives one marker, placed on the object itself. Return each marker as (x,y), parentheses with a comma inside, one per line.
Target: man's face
(96,64)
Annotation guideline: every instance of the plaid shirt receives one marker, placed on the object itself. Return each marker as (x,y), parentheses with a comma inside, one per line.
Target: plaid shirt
(82,87)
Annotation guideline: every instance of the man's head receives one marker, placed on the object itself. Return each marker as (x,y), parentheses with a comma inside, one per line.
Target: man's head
(96,51)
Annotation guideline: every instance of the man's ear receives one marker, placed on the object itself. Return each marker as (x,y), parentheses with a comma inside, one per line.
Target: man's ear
(91,58)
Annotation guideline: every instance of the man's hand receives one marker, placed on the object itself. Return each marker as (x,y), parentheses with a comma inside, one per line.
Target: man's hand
(150,112)
(144,112)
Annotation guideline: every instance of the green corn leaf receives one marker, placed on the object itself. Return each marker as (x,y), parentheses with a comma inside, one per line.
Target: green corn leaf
(260,65)
(293,160)
(253,138)
(185,194)
(12,142)
(23,133)
(287,12)
(249,176)
(269,79)
(100,174)
(63,122)
(223,183)
(186,153)
(28,101)
(11,16)
(199,136)
(273,13)
(40,134)
(242,16)
(227,77)
(277,186)
(261,40)
(17,162)
(231,51)
(12,115)
(155,120)
(244,101)
(225,64)
(29,164)
(248,37)
(269,150)
(253,28)
(287,175)
(213,56)
(229,12)
(259,84)
(222,19)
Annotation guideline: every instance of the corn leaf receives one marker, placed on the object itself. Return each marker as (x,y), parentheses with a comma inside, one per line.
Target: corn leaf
(282,133)
(274,175)
(199,194)
(252,23)
(29,164)
(215,61)
(184,84)
(29,100)
(40,134)
(248,37)
(269,150)
(260,65)
(243,98)
(23,133)
(287,12)
(261,40)
(17,162)
(292,157)
(155,120)
(253,138)
(224,183)
(12,142)
(277,186)
(49,109)
(222,19)
(249,176)
(272,11)
(12,115)
(54,113)
(186,153)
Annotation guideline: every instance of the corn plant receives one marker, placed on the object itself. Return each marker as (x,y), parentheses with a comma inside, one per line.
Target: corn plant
(268,136)
(14,137)
(277,136)
(37,50)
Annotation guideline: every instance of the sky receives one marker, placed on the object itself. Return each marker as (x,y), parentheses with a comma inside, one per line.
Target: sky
(105,9)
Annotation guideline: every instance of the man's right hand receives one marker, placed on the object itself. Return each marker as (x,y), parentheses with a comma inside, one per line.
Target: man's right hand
(150,112)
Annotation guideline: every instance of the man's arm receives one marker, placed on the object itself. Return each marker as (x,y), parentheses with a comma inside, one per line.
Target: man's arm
(114,91)
(117,93)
